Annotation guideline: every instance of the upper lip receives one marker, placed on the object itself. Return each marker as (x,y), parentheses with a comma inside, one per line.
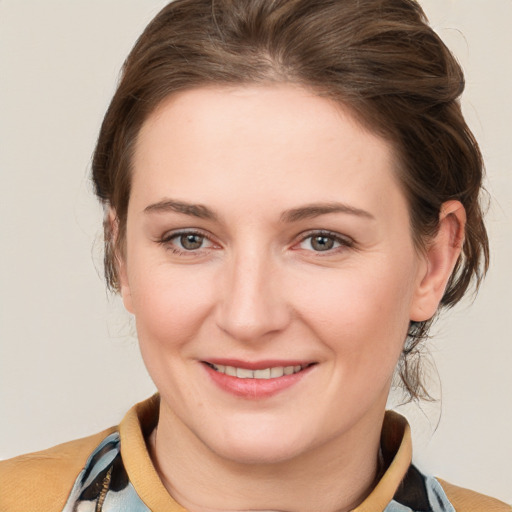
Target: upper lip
(259,365)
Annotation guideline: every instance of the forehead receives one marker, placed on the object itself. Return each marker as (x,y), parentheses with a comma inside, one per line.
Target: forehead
(280,142)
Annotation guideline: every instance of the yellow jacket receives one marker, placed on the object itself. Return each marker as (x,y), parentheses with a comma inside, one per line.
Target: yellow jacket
(112,472)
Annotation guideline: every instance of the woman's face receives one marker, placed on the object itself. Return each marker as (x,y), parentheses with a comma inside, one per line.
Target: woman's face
(270,268)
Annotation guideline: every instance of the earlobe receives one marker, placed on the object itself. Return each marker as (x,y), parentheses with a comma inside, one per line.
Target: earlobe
(440,258)
(119,261)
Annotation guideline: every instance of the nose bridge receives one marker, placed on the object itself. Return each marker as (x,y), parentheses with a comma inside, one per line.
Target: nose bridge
(252,303)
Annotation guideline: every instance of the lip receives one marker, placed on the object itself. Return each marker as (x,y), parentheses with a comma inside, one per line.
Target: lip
(256,388)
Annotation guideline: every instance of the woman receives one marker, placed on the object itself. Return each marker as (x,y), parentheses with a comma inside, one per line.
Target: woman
(291,193)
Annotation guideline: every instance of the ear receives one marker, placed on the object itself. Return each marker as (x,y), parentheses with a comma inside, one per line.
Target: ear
(440,257)
(120,261)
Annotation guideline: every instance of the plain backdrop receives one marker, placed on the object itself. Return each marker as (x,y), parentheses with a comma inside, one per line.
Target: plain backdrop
(69,362)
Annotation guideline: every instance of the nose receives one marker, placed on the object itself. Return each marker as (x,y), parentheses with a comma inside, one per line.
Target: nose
(253,304)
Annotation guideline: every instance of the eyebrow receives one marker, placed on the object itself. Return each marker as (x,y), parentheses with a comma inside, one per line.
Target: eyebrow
(169,205)
(315,210)
(293,215)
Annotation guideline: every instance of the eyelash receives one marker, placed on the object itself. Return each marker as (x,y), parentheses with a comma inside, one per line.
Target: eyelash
(168,238)
(343,241)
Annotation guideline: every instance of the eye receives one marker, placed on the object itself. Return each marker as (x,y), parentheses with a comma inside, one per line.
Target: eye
(191,241)
(186,242)
(322,241)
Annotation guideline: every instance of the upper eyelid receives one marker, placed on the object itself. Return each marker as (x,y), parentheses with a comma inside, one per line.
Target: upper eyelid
(324,232)
(169,235)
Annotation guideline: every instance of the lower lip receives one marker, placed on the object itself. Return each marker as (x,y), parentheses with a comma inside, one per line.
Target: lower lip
(255,388)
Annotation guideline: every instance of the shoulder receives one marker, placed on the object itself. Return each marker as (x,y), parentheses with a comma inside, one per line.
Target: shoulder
(43,480)
(464,500)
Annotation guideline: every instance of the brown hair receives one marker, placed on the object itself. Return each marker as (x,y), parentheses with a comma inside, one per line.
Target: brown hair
(379,58)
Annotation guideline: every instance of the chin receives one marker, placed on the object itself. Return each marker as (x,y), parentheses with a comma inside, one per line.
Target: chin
(258,453)
(259,445)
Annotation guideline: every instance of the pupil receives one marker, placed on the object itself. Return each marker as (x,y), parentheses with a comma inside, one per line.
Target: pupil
(191,242)
(322,243)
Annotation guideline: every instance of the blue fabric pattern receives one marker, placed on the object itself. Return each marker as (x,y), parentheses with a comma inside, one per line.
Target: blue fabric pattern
(437,498)
(103,485)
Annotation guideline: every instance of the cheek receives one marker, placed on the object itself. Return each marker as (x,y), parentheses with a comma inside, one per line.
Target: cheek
(363,313)
(169,309)
(168,305)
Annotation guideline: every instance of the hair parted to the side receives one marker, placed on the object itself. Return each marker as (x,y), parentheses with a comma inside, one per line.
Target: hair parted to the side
(379,58)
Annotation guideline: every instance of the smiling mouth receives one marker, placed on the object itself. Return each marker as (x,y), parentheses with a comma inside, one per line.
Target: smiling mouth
(263,374)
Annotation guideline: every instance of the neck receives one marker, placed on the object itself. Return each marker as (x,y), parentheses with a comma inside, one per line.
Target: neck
(315,480)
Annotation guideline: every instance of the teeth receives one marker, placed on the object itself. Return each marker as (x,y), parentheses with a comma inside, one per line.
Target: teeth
(262,374)
(276,372)
(288,370)
(267,373)
(243,373)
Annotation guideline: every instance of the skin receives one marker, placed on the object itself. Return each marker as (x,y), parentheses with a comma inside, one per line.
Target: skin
(257,288)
